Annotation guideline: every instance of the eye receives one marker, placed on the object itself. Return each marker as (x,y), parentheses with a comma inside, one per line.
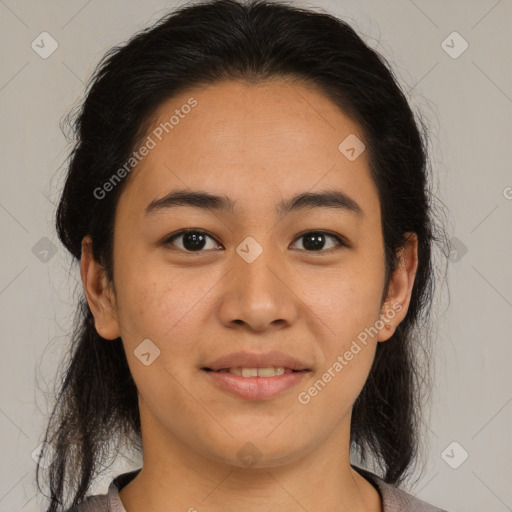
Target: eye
(314,241)
(193,240)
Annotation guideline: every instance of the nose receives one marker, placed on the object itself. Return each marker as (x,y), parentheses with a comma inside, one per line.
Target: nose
(259,295)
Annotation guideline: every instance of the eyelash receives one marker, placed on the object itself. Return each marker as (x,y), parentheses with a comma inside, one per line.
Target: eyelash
(338,238)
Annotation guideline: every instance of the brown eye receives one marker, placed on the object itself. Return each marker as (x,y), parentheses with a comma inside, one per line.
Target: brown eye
(192,240)
(316,241)
(195,240)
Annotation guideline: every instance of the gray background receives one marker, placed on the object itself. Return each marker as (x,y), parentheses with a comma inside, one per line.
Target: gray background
(467,102)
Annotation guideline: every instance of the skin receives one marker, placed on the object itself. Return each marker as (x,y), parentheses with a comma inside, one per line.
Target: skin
(257,144)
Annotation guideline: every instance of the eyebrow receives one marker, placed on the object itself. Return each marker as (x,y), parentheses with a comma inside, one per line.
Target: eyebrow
(304,201)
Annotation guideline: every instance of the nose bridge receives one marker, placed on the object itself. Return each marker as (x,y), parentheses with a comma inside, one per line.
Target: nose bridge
(257,266)
(258,294)
(260,273)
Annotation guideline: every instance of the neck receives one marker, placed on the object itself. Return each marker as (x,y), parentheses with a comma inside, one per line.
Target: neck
(179,478)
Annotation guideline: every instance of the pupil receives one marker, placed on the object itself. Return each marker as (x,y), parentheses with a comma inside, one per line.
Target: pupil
(317,241)
(196,241)
(193,241)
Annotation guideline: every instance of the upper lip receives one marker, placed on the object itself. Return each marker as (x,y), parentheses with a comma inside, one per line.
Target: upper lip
(244,359)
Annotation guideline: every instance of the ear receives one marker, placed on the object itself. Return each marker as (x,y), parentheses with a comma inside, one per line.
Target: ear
(400,288)
(99,293)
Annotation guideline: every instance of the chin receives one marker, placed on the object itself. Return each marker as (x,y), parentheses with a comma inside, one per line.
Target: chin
(258,451)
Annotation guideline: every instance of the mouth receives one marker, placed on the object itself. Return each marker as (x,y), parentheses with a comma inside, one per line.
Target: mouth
(267,371)
(255,384)
(257,376)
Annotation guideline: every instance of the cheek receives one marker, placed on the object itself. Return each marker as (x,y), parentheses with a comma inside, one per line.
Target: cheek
(167,312)
(346,299)
(332,393)
(347,303)
(352,320)
(157,302)
(348,347)
(358,307)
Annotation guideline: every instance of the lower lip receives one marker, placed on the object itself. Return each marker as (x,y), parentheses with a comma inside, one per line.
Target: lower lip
(255,388)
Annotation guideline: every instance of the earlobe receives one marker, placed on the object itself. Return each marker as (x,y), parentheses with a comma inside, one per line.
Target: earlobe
(400,288)
(99,293)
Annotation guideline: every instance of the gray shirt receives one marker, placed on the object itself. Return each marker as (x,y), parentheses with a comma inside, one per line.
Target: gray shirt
(393,498)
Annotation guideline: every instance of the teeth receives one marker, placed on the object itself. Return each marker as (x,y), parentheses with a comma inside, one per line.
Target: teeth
(269,371)
(249,372)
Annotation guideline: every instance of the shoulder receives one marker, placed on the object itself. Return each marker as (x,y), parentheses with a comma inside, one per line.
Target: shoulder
(96,503)
(395,499)
(108,502)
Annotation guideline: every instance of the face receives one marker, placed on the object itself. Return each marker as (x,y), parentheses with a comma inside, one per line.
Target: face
(251,275)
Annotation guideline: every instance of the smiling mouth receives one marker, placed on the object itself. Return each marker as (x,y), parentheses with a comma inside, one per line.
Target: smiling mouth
(269,371)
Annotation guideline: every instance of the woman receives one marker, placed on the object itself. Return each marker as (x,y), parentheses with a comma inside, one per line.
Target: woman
(249,201)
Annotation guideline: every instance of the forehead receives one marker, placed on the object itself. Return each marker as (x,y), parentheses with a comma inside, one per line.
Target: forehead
(256,143)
